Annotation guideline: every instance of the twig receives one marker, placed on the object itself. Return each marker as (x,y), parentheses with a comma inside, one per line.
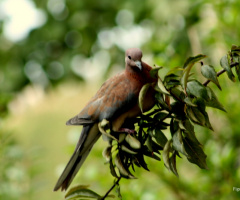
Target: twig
(107,193)
(221,72)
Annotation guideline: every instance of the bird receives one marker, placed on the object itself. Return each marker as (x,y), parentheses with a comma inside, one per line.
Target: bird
(115,101)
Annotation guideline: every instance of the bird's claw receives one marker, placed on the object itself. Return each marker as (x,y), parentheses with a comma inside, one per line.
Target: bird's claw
(127,130)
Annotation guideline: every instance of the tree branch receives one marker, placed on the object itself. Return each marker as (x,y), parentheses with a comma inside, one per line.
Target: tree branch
(221,72)
(107,193)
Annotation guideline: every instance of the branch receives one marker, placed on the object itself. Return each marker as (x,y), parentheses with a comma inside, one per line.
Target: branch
(107,193)
(221,72)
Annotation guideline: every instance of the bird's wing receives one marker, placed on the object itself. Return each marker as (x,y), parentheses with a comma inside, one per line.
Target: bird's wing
(115,101)
(116,96)
(88,137)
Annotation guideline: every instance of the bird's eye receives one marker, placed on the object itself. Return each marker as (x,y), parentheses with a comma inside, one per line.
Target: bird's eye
(129,57)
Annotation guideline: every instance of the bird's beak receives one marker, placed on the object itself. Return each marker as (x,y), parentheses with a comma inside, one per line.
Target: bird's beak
(139,64)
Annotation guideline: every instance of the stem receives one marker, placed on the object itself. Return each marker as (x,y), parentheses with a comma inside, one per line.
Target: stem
(107,193)
(221,72)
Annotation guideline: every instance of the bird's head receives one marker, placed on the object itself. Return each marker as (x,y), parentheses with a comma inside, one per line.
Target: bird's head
(133,58)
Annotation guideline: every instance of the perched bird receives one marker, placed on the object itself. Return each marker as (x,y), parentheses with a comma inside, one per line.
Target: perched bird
(115,101)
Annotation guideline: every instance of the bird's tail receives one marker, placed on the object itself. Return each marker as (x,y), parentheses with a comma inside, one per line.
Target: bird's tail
(89,136)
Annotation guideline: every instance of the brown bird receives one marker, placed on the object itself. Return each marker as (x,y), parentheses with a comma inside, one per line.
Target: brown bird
(115,101)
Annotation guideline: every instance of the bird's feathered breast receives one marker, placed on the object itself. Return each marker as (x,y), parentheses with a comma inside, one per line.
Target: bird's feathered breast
(115,96)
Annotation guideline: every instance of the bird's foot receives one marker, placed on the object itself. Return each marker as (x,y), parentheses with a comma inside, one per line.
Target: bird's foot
(127,130)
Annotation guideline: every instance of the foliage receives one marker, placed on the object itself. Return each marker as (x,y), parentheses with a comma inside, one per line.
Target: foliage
(181,102)
(178,29)
(15,175)
(74,31)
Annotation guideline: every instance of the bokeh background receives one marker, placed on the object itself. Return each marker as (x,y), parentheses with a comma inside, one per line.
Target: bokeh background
(55,54)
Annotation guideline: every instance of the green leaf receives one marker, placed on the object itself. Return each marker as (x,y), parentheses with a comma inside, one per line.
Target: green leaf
(198,114)
(118,191)
(235,50)
(171,80)
(186,125)
(172,162)
(142,95)
(207,124)
(189,102)
(81,192)
(151,155)
(178,94)
(209,72)
(235,57)
(121,137)
(141,161)
(166,151)
(213,102)
(195,153)
(174,125)
(175,70)
(148,143)
(107,153)
(77,187)
(124,148)
(133,142)
(171,76)
(156,147)
(160,87)
(188,130)
(195,115)
(225,63)
(178,142)
(154,72)
(191,114)
(160,116)
(160,137)
(104,128)
(237,68)
(196,89)
(235,53)
(159,97)
(187,68)
(112,168)
(124,171)
(171,84)
(193,60)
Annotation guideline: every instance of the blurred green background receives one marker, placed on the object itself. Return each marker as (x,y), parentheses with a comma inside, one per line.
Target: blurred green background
(54,55)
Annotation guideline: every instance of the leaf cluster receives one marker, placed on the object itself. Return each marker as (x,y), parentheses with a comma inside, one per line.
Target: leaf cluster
(167,131)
